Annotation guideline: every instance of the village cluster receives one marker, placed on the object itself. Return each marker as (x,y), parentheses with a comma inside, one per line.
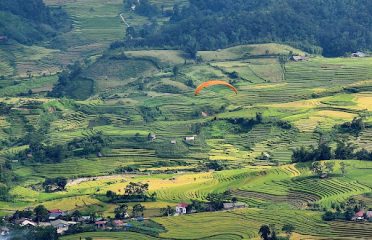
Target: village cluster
(62,221)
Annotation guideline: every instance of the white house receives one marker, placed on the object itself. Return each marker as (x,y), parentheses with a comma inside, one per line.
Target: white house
(4,231)
(181,208)
(61,225)
(190,139)
(228,206)
(299,58)
(358,54)
(28,223)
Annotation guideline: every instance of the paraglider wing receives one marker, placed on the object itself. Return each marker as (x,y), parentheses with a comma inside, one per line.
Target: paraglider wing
(212,83)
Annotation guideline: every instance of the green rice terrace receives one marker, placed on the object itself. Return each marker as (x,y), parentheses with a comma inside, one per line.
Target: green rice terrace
(130,116)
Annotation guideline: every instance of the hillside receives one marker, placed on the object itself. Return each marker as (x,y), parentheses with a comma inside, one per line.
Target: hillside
(31,21)
(111,130)
(331,27)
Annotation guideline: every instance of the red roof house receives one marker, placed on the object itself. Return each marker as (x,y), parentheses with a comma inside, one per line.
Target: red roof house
(56,211)
(359,214)
(101,224)
(182,208)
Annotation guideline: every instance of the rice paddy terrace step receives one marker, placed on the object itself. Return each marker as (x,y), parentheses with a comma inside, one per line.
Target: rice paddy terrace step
(295,198)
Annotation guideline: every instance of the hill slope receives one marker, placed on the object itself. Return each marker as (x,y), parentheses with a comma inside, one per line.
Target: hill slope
(335,26)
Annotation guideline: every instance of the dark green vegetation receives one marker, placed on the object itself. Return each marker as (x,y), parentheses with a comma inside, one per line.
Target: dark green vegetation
(31,21)
(118,131)
(334,27)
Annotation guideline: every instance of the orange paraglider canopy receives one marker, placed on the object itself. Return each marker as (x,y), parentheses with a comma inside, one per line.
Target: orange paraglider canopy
(212,83)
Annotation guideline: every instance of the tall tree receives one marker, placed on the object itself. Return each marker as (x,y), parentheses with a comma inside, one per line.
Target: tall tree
(41,213)
(265,232)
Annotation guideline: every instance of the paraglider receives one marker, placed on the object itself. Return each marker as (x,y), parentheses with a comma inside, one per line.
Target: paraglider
(212,83)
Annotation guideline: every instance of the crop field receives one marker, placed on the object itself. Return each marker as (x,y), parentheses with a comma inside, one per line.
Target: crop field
(143,93)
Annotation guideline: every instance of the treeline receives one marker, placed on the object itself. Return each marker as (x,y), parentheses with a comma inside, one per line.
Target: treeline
(344,150)
(133,192)
(45,153)
(337,27)
(31,21)
(344,210)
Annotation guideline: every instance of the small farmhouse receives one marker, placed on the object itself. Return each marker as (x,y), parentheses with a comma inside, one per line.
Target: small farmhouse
(358,54)
(61,225)
(228,206)
(190,139)
(4,231)
(181,208)
(101,224)
(55,214)
(299,58)
(151,137)
(28,223)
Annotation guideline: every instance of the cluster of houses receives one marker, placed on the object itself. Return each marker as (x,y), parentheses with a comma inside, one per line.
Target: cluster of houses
(55,219)
(298,58)
(58,219)
(362,216)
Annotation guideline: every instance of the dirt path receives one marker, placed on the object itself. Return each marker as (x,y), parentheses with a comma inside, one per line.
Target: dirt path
(123,19)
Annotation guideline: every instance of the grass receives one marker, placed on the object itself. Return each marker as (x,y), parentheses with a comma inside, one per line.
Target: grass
(309,95)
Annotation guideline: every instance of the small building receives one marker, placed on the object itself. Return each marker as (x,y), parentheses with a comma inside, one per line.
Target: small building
(204,114)
(181,208)
(190,139)
(228,206)
(84,219)
(151,137)
(4,231)
(54,214)
(28,223)
(369,214)
(101,224)
(359,216)
(324,175)
(3,39)
(358,54)
(118,223)
(61,225)
(173,141)
(298,58)
(44,224)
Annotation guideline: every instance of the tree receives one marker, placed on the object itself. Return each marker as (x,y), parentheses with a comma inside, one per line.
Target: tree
(288,229)
(76,215)
(110,194)
(47,233)
(55,184)
(317,168)
(328,216)
(137,210)
(259,117)
(265,232)
(349,213)
(196,205)
(324,152)
(344,150)
(41,213)
(168,211)
(329,167)
(216,200)
(121,211)
(139,189)
(131,32)
(175,71)
(363,155)
(343,168)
